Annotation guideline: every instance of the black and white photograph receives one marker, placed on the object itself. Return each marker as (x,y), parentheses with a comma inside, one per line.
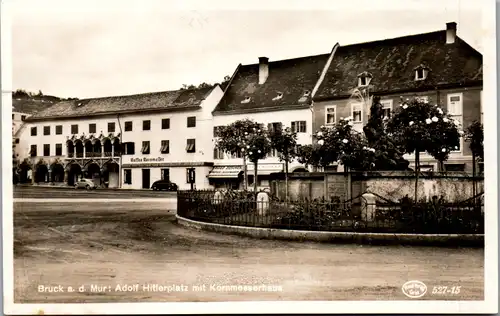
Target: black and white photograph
(214,157)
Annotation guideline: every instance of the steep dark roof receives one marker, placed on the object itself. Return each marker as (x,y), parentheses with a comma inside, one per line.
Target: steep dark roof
(291,77)
(167,100)
(392,63)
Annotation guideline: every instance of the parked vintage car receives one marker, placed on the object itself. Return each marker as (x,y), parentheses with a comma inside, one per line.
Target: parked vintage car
(85,184)
(164,185)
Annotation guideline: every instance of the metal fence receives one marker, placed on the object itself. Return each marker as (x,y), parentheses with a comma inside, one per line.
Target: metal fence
(243,209)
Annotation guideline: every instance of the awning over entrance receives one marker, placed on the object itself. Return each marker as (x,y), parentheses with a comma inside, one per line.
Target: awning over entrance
(225,172)
(265,169)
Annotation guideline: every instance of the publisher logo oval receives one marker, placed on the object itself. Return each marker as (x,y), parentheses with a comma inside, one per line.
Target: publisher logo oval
(414,289)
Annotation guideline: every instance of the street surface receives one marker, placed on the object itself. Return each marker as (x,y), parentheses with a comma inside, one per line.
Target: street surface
(111,245)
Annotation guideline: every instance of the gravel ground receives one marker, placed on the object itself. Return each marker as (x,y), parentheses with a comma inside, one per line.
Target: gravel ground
(112,244)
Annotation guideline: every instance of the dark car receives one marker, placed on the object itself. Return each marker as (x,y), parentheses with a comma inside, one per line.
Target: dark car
(164,185)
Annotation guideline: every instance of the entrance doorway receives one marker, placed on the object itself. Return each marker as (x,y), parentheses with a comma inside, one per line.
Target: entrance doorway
(145,178)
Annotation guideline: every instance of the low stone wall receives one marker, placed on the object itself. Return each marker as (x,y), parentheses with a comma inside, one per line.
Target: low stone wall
(391,185)
(470,240)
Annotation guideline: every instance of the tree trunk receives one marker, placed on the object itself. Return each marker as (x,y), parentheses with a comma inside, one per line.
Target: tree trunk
(255,177)
(417,172)
(245,174)
(349,184)
(473,174)
(286,180)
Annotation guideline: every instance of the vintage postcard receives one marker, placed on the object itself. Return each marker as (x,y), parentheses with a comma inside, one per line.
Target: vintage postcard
(260,156)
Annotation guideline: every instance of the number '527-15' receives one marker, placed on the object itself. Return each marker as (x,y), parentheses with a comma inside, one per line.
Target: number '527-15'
(446,290)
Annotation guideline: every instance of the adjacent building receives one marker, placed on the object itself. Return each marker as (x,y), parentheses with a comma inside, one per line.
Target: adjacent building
(437,66)
(275,94)
(124,141)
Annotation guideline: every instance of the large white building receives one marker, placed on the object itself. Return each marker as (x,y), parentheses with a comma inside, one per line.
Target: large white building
(123,142)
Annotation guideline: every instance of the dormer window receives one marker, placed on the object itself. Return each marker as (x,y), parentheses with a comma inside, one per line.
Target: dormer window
(307,93)
(304,97)
(279,96)
(364,79)
(421,72)
(246,100)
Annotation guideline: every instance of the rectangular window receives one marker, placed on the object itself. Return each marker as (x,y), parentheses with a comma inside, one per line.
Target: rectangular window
(386,108)
(46,130)
(454,107)
(58,129)
(13,116)
(33,131)
(128,126)
(275,126)
(191,121)
(146,125)
(33,151)
(330,115)
(165,174)
(190,175)
(111,127)
(299,126)
(74,129)
(23,117)
(191,145)
(58,149)
(127,176)
(357,112)
(92,128)
(218,154)
(129,148)
(165,123)
(145,147)
(165,147)
(17,140)
(46,150)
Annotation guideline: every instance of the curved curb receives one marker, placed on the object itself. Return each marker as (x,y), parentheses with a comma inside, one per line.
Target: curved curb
(470,240)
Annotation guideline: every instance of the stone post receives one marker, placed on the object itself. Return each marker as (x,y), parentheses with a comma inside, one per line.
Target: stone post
(368,207)
(84,151)
(262,203)
(102,150)
(74,151)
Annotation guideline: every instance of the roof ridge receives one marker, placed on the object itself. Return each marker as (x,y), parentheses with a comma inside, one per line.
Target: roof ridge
(289,59)
(394,38)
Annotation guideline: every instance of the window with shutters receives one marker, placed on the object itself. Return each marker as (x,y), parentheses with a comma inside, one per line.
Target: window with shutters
(165,147)
(128,126)
(299,126)
(330,115)
(58,149)
(165,123)
(127,176)
(455,108)
(191,145)
(145,148)
(46,150)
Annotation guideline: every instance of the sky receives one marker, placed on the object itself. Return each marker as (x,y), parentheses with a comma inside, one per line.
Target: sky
(103,48)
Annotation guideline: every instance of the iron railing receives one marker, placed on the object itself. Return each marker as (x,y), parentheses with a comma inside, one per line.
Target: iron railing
(434,217)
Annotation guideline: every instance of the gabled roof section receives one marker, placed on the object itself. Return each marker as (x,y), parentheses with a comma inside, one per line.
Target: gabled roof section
(155,101)
(392,63)
(288,85)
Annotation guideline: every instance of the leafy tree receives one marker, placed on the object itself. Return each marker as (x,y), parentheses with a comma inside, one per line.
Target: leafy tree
(246,138)
(284,141)
(417,126)
(20,94)
(387,154)
(474,134)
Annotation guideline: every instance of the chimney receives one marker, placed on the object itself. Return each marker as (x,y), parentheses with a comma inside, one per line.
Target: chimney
(451,32)
(263,69)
